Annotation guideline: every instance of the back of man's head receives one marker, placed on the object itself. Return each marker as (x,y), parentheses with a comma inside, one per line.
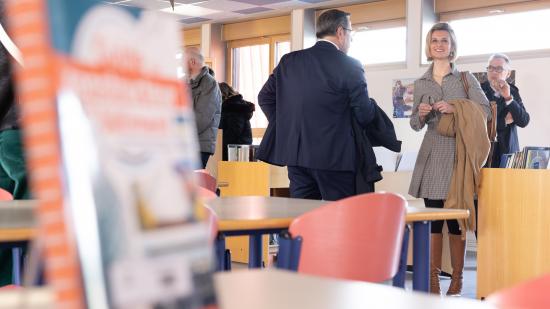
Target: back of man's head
(329,21)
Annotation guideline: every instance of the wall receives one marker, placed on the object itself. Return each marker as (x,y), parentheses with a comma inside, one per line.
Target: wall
(531,76)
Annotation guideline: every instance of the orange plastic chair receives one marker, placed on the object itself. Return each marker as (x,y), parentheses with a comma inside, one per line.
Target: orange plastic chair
(206,180)
(205,193)
(532,294)
(357,238)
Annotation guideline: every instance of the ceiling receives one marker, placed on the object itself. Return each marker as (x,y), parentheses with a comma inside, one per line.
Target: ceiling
(192,13)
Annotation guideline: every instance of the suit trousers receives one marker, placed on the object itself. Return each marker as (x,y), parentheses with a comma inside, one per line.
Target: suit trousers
(317,184)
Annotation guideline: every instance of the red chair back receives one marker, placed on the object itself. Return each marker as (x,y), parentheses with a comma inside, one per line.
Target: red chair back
(211,218)
(212,221)
(5,195)
(206,180)
(357,238)
(205,194)
(533,294)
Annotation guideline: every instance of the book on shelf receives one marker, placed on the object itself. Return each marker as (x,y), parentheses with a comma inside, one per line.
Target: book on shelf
(531,157)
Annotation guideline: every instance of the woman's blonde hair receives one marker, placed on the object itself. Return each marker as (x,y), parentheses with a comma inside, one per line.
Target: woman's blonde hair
(442,27)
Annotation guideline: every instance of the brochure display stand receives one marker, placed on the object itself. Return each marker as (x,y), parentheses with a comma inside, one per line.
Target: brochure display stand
(111,147)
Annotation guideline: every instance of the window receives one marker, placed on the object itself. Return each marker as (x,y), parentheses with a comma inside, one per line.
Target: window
(378,46)
(252,60)
(281,49)
(503,33)
(250,72)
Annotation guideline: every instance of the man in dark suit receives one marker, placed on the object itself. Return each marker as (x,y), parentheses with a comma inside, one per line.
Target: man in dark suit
(511,112)
(309,101)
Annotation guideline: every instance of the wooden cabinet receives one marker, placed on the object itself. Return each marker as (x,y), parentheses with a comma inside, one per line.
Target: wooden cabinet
(514,228)
(240,179)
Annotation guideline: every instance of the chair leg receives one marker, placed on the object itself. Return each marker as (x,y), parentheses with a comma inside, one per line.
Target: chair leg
(16,260)
(285,248)
(296,250)
(227,260)
(220,253)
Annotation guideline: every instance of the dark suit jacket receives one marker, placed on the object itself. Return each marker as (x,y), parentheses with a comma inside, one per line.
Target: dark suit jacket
(309,101)
(380,132)
(507,136)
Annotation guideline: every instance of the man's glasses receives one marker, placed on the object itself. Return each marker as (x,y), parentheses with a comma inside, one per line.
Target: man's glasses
(495,69)
(351,32)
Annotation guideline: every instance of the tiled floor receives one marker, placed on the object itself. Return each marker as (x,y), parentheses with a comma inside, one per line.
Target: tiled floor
(470,278)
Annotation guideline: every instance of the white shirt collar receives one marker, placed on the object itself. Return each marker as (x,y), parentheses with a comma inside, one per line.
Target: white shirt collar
(330,43)
(495,92)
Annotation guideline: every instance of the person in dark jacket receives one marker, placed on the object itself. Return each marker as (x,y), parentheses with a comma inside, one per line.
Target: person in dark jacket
(511,112)
(235,120)
(13,173)
(309,101)
(380,132)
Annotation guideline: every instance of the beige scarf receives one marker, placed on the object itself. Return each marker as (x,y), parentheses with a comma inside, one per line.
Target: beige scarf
(468,124)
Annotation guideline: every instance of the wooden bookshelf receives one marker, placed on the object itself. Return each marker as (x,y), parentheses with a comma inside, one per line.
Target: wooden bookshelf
(514,228)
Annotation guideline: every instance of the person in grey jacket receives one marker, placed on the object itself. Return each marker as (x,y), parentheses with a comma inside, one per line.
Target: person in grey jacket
(207,101)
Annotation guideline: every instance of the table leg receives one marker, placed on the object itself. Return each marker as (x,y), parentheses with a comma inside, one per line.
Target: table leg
(399,278)
(421,256)
(255,250)
(16,260)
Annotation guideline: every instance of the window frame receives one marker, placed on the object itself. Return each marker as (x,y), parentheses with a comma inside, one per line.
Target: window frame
(380,25)
(272,40)
(469,9)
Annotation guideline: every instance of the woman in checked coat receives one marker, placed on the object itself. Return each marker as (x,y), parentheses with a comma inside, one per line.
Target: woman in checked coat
(435,162)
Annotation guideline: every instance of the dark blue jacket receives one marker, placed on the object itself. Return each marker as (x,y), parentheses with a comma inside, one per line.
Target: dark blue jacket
(380,132)
(507,136)
(309,101)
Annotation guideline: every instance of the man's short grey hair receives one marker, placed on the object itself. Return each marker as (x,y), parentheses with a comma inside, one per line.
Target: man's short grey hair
(329,21)
(195,53)
(500,56)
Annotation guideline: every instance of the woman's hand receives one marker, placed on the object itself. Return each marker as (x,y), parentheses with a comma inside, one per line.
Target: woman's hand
(424,109)
(444,107)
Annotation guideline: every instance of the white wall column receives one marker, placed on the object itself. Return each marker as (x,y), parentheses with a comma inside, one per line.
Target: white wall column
(302,29)
(214,48)
(205,39)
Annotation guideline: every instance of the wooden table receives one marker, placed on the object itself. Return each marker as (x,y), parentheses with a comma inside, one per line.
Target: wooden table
(258,215)
(28,298)
(17,224)
(274,289)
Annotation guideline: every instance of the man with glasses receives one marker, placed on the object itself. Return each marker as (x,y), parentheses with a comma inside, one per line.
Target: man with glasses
(310,100)
(511,112)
